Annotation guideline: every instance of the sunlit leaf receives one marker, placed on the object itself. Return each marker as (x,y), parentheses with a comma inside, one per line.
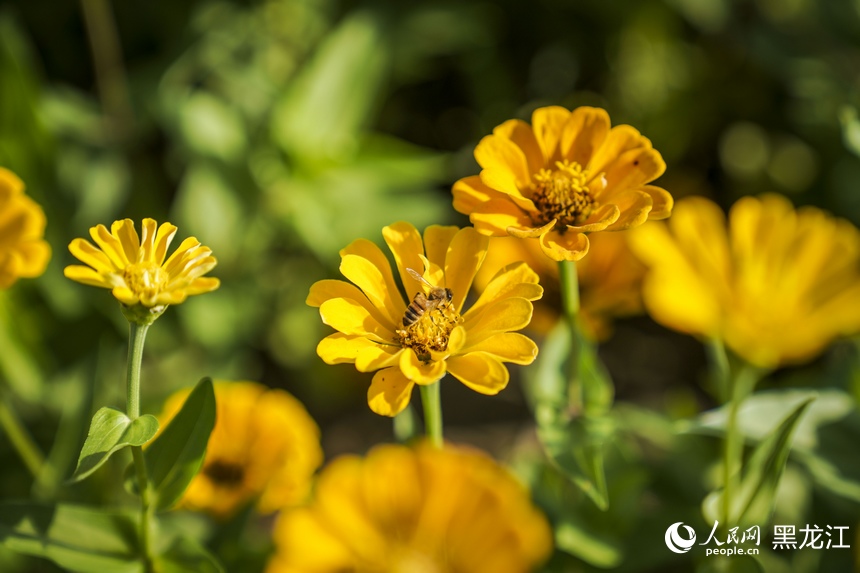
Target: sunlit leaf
(176,455)
(574,437)
(110,431)
(571,537)
(186,556)
(753,501)
(75,537)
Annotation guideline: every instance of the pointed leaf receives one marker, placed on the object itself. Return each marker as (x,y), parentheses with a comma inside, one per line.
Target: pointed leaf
(574,440)
(753,503)
(75,537)
(176,455)
(186,556)
(110,431)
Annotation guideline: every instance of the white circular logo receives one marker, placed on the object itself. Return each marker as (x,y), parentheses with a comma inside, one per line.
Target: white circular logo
(675,542)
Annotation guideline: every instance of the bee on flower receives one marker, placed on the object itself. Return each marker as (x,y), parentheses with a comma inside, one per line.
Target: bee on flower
(419,338)
(565,176)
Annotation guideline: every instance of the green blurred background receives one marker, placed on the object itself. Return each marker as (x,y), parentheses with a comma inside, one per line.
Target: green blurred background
(279,131)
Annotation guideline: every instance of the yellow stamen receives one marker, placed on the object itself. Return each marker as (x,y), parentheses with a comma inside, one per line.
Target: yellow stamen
(145,279)
(562,194)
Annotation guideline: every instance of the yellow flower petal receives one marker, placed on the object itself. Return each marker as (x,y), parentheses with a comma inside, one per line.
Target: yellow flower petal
(87,276)
(351,317)
(514,280)
(480,371)
(372,282)
(165,235)
(621,139)
(584,133)
(662,202)
(634,207)
(496,216)
(470,192)
(521,134)
(404,242)
(33,258)
(503,315)
(147,242)
(502,160)
(125,232)
(202,285)
(530,233)
(125,295)
(570,246)
(389,392)
(327,289)
(88,254)
(437,240)
(378,356)
(508,347)
(466,253)
(418,372)
(548,123)
(339,348)
(632,169)
(388,288)
(599,220)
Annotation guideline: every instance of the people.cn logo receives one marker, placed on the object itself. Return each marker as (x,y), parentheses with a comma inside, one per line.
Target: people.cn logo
(675,542)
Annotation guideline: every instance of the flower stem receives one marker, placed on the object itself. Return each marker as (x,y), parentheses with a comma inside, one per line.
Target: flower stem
(21,440)
(430,399)
(738,385)
(136,338)
(569,285)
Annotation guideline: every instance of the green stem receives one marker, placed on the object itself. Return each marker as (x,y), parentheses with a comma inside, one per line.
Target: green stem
(136,338)
(404,425)
(430,399)
(569,286)
(21,439)
(740,385)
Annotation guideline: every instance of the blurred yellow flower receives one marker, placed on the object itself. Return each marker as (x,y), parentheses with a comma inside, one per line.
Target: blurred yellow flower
(135,269)
(564,176)
(422,510)
(23,252)
(610,281)
(265,447)
(776,286)
(375,333)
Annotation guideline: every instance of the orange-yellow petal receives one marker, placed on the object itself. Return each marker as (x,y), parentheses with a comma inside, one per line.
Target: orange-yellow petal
(419,372)
(465,254)
(480,371)
(508,347)
(570,246)
(389,392)
(351,317)
(548,123)
(584,133)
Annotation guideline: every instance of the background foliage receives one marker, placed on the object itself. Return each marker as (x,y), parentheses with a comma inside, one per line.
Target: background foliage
(278,131)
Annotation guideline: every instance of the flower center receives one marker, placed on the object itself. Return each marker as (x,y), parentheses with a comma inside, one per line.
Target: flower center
(226,474)
(562,194)
(430,331)
(145,280)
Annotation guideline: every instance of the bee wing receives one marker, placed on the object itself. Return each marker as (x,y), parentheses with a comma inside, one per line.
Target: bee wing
(417,276)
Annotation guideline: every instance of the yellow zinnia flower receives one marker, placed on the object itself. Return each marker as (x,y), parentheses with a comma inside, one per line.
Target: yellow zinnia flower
(375,333)
(610,281)
(264,447)
(134,268)
(776,286)
(451,510)
(566,175)
(23,252)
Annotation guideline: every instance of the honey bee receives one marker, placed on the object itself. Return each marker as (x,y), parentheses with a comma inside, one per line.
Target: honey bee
(422,303)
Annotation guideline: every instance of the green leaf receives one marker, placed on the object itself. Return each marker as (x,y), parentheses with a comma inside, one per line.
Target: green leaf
(187,556)
(574,440)
(754,501)
(175,456)
(830,427)
(75,537)
(322,114)
(574,538)
(110,431)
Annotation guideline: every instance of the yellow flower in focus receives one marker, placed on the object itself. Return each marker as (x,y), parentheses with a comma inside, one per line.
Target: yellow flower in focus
(23,252)
(376,334)
(777,285)
(134,267)
(566,175)
(264,447)
(422,510)
(610,280)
